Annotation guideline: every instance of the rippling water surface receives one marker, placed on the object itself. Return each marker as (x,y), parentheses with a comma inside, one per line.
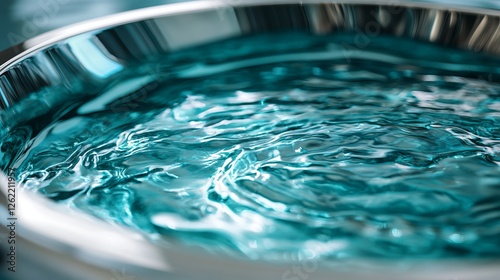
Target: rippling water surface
(314,155)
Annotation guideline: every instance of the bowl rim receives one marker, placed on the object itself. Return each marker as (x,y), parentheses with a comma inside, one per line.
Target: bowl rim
(15,54)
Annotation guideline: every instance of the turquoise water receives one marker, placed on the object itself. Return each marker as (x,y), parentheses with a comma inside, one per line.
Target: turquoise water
(311,153)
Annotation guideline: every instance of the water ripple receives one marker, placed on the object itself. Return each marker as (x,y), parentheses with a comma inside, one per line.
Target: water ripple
(343,161)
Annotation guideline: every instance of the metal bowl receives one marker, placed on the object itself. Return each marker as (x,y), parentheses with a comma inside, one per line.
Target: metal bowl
(55,242)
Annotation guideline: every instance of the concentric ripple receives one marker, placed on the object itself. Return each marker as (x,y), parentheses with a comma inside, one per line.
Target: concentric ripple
(311,158)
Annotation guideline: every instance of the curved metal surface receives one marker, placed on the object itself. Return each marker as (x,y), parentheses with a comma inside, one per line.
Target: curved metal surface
(86,57)
(55,59)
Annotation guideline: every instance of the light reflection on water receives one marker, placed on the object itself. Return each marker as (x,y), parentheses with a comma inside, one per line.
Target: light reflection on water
(296,153)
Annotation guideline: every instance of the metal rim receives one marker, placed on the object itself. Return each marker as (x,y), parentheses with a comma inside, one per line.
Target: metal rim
(16,53)
(167,259)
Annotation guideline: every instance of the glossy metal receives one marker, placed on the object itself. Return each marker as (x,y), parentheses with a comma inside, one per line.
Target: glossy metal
(51,60)
(87,56)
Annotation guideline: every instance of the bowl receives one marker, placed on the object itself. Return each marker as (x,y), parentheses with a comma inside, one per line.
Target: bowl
(78,61)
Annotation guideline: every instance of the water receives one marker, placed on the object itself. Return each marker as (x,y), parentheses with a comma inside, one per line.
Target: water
(285,155)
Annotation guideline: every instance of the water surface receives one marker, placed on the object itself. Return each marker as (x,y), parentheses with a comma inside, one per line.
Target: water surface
(307,153)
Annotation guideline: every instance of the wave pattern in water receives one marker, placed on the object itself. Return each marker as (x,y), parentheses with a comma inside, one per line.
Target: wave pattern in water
(307,158)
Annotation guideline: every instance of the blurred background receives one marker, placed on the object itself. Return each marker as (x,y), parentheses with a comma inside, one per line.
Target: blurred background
(24,19)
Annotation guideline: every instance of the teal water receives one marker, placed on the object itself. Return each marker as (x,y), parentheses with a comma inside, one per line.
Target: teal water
(312,154)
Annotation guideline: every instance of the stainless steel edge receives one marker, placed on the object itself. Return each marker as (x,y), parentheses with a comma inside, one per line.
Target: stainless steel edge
(15,53)
(52,60)
(55,59)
